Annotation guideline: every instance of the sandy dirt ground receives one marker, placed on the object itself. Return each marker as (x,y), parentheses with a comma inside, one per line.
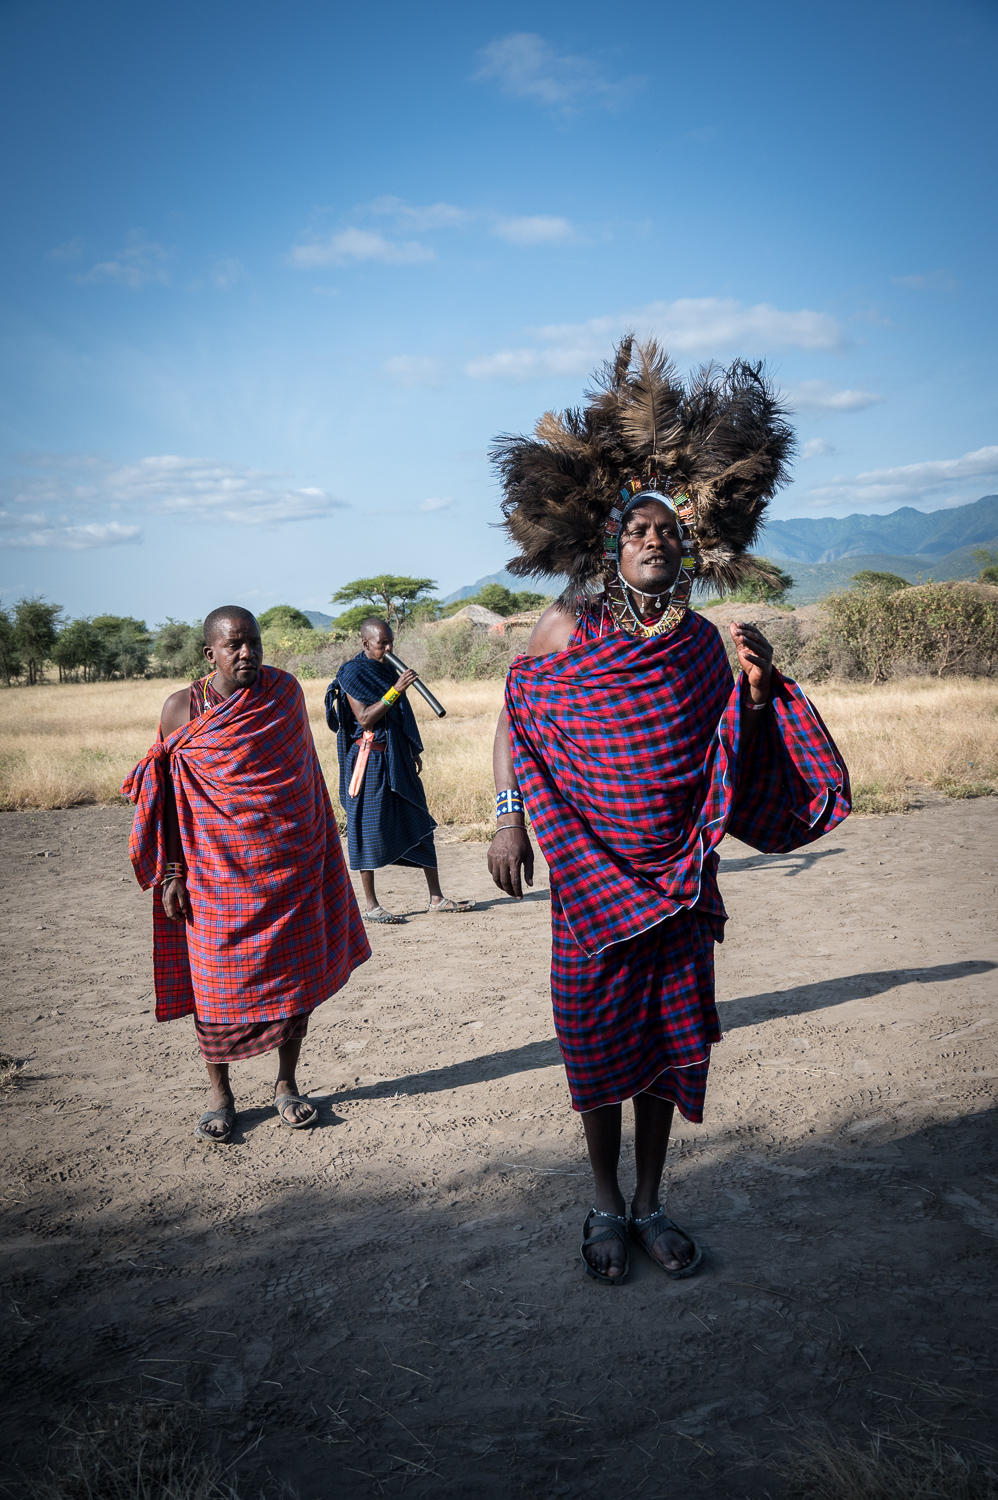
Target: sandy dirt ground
(393,1303)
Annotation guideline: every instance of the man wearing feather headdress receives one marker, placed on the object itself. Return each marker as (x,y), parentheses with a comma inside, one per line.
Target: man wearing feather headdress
(626,742)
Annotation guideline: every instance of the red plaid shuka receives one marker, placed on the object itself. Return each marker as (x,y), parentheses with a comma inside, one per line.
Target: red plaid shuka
(627,752)
(274,927)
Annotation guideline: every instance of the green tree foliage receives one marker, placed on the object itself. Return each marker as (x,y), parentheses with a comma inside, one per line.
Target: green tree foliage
(349,622)
(768,590)
(179,649)
(284,616)
(869,578)
(394,594)
(36,626)
(500,600)
(11,661)
(989,564)
(127,645)
(80,647)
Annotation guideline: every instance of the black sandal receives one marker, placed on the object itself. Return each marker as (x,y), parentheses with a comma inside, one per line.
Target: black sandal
(616,1230)
(228,1119)
(659,1223)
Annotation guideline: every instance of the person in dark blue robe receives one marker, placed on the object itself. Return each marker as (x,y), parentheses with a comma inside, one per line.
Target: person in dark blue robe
(388,821)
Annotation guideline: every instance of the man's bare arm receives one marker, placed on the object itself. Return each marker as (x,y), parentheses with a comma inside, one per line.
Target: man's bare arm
(176,902)
(369,714)
(511,855)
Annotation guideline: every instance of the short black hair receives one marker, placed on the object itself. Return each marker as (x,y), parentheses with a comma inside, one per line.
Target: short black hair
(234,612)
(375,620)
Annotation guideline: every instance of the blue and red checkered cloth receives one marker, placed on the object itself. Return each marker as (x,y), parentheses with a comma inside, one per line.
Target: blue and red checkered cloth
(275,927)
(628,755)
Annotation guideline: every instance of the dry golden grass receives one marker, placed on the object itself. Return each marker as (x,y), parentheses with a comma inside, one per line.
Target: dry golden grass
(921,730)
(75,743)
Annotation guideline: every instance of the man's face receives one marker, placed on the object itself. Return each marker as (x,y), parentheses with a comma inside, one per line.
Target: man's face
(651,553)
(236,652)
(377,640)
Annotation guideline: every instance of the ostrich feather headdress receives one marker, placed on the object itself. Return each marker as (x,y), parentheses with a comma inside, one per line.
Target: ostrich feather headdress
(716,450)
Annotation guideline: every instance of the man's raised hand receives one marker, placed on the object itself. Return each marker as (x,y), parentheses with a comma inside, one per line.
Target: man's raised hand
(176,902)
(406,680)
(510,852)
(755,657)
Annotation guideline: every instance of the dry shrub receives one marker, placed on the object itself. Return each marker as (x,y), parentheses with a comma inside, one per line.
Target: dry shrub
(10,1072)
(938,628)
(457,650)
(133,1453)
(827,1469)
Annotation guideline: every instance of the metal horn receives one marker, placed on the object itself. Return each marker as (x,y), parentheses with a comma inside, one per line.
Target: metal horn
(423,692)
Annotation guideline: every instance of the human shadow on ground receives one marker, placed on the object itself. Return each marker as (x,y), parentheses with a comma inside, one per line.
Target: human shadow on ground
(836,1269)
(493,1065)
(745,1011)
(799,999)
(791,864)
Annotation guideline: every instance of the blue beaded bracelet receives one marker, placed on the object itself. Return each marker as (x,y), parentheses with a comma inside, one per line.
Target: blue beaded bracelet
(508,801)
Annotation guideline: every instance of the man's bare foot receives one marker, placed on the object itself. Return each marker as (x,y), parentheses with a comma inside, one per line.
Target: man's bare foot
(609,1256)
(219,1098)
(672,1249)
(293,1113)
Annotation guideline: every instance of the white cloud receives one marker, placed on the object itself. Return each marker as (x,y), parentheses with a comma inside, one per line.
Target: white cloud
(525,66)
(413,369)
(419,219)
(227,273)
(434,505)
(66,500)
(538,229)
(816,448)
(34,531)
(141,261)
(359,245)
(703,325)
(821,396)
(957,478)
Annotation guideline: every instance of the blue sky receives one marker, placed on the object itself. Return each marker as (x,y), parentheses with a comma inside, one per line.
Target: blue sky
(273,276)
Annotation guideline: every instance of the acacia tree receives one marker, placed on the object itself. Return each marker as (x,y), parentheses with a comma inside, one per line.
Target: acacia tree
(393,592)
(35,632)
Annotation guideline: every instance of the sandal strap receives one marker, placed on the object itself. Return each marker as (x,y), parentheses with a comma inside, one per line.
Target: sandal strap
(218,1114)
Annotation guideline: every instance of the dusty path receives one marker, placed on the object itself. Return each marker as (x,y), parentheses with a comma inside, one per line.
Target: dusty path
(394,1301)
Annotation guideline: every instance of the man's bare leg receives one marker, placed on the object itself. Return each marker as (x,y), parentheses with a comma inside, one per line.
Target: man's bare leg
(221,1097)
(433,883)
(370,894)
(652,1124)
(602,1127)
(287,1062)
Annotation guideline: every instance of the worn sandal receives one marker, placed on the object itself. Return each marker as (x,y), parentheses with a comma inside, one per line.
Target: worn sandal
(448,905)
(281,1101)
(227,1116)
(616,1229)
(658,1222)
(385,918)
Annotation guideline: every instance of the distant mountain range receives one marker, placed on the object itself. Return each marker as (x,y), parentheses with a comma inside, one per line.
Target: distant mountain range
(928,535)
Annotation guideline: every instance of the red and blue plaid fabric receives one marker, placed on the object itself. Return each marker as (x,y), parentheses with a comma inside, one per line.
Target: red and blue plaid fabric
(640,1016)
(275,927)
(628,754)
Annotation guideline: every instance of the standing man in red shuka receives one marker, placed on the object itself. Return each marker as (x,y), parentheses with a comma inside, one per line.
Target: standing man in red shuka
(255,922)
